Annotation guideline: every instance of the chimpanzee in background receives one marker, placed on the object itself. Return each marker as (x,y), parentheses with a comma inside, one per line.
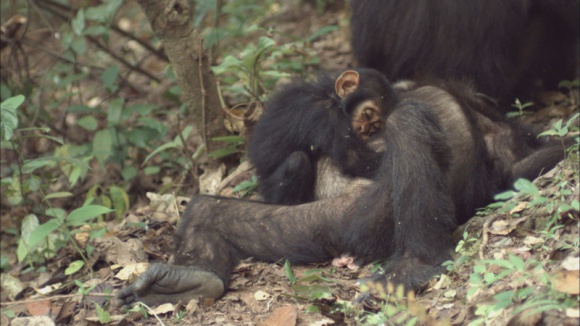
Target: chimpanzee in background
(508,49)
(445,153)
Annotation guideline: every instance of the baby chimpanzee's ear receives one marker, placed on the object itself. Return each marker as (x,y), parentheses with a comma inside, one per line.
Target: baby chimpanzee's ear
(346,83)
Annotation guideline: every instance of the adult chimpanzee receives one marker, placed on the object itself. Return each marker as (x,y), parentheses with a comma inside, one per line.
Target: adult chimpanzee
(506,48)
(445,153)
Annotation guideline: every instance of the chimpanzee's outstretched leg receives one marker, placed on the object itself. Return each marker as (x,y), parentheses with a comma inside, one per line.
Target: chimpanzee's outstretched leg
(217,232)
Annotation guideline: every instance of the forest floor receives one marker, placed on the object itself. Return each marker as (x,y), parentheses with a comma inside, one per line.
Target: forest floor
(517,263)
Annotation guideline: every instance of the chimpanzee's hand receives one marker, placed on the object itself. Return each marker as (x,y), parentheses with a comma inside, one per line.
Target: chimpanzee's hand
(163,283)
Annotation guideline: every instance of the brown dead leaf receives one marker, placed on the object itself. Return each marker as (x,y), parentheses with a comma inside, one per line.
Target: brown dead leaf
(210,179)
(283,316)
(162,309)
(505,227)
(261,295)
(519,207)
(131,271)
(531,240)
(38,308)
(65,312)
(567,281)
(525,318)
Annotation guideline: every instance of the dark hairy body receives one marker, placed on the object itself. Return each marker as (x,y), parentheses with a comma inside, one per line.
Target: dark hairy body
(507,49)
(445,153)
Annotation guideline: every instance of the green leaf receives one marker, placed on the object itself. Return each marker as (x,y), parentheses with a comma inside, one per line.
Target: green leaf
(120,200)
(227,64)
(60,194)
(526,187)
(82,214)
(88,122)
(31,165)
(114,112)
(313,291)
(150,170)
(78,23)
(74,267)
(96,30)
(56,212)
(29,224)
(265,42)
(8,117)
(102,145)
(160,149)
(518,263)
(41,232)
(109,78)
(142,109)
(184,134)
(79,45)
(129,173)
(504,296)
(223,152)
(289,274)
(104,316)
(21,251)
(505,195)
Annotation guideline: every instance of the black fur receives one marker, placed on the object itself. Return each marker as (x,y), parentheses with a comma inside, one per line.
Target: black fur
(446,153)
(506,48)
(305,121)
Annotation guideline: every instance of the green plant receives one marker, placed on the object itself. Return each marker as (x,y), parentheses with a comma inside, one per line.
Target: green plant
(562,130)
(487,273)
(246,187)
(234,145)
(398,308)
(521,109)
(40,238)
(259,66)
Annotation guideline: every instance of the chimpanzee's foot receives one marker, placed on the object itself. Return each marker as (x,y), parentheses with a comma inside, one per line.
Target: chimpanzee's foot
(163,283)
(367,121)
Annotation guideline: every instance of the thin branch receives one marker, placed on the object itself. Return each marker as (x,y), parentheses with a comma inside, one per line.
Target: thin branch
(47,6)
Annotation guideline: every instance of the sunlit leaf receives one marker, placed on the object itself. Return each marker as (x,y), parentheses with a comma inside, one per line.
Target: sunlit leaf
(74,267)
(82,214)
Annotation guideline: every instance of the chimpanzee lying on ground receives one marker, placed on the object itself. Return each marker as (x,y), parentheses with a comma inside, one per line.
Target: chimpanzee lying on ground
(444,152)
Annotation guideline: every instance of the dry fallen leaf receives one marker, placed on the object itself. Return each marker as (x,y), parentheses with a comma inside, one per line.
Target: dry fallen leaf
(38,308)
(567,281)
(132,271)
(573,313)
(531,240)
(283,316)
(261,296)
(504,227)
(162,309)
(519,207)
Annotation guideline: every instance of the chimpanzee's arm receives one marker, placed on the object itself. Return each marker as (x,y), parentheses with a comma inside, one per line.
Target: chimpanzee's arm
(412,180)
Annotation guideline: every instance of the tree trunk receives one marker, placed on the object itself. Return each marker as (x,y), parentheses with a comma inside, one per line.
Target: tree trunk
(171,21)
